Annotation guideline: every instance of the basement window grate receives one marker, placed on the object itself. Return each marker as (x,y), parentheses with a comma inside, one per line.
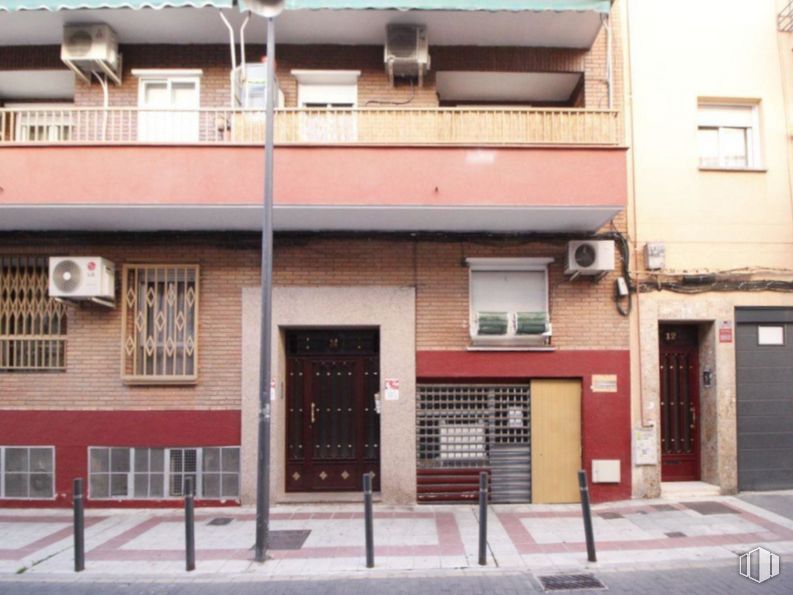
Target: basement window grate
(570,582)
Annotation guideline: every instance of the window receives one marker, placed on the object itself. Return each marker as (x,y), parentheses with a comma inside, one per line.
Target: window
(169,103)
(728,136)
(509,301)
(42,122)
(27,472)
(142,473)
(32,326)
(770,335)
(160,322)
(327,96)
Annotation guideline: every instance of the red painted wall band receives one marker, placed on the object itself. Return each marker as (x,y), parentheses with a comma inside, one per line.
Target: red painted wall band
(606,419)
(72,432)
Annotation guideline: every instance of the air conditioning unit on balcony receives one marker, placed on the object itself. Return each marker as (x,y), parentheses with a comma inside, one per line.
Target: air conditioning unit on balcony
(589,257)
(89,49)
(407,52)
(86,278)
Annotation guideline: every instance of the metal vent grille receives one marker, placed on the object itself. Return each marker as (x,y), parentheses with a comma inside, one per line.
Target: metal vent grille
(477,426)
(570,582)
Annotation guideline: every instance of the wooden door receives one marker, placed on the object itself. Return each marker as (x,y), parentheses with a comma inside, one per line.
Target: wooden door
(555,440)
(333,430)
(679,382)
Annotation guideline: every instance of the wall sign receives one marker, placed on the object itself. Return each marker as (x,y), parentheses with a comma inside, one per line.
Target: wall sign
(392,389)
(725,331)
(272,390)
(604,383)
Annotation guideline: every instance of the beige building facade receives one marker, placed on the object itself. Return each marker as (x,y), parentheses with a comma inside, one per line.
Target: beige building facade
(711,222)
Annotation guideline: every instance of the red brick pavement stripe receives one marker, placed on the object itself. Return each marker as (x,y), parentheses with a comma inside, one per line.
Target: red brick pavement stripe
(450,543)
(39,544)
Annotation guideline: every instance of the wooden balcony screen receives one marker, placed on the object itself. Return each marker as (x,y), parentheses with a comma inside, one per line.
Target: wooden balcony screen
(32,325)
(160,323)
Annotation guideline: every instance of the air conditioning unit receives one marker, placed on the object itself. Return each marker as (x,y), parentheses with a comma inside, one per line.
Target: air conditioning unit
(83,278)
(407,52)
(589,257)
(89,49)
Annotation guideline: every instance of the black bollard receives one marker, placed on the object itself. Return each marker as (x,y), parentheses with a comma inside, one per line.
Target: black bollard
(587,513)
(368,520)
(79,525)
(483,518)
(189,524)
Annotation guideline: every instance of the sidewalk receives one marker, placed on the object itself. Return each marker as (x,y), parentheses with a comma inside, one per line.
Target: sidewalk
(328,540)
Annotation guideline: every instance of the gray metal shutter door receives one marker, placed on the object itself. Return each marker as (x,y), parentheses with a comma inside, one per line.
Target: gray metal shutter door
(764,376)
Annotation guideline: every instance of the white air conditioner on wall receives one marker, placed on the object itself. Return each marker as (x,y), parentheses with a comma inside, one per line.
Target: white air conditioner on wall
(589,257)
(91,48)
(84,278)
(407,52)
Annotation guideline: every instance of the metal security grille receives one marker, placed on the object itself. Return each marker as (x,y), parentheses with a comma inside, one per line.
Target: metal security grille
(473,427)
(32,325)
(160,322)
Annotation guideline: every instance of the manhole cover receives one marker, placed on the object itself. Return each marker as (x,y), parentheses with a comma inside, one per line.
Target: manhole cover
(664,507)
(220,521)
(570,582)
(710,508)
(610,515)
(287,540)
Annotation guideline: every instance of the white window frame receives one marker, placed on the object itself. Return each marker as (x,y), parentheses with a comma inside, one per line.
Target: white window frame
(509,340)
(153,123)
(198,487)
(28,473)
(754,156)
(328,87)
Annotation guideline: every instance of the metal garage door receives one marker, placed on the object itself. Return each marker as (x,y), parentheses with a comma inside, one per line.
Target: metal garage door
(764,375)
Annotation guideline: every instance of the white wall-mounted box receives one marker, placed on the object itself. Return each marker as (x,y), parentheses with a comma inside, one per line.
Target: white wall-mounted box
(605,471)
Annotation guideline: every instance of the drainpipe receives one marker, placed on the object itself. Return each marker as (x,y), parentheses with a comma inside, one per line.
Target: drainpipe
(233,49)
(609,56)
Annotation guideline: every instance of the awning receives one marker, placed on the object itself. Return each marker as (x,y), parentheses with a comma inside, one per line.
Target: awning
(14,5)
(602,6)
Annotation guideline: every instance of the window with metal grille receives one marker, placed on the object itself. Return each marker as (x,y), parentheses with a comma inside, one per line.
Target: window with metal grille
(141,473)
(160,322)
(27,473)
(463,429)
(461,425)
(32,325)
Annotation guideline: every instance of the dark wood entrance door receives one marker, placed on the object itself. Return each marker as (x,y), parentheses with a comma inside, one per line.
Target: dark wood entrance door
(332,427)
(680,418)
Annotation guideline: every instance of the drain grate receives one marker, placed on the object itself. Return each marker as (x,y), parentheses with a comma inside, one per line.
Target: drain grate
(675,534)
(710,508)
(664,507)
(570,582)
(610,516)
(219,522)
(287,540)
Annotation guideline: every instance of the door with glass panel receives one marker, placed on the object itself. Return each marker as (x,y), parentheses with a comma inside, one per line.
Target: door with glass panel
(169,110)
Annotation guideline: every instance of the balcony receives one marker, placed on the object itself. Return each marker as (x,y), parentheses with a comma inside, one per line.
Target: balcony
(440,170)
(364,126)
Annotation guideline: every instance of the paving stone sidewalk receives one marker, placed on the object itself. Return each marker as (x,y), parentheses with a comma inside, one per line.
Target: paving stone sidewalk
(328,540)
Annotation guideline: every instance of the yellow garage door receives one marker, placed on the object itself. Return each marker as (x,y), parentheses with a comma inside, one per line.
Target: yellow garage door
(555,440)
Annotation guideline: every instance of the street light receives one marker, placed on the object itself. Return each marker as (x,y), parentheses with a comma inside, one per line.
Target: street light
(268,9)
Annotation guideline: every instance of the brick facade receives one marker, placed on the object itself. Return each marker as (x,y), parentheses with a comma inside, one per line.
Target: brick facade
(582,312)
(374,88)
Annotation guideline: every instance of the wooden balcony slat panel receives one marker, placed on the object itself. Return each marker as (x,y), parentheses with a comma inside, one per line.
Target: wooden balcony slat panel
(365,126)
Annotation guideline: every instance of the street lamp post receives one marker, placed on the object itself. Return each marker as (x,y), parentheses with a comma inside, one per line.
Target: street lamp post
(269,9)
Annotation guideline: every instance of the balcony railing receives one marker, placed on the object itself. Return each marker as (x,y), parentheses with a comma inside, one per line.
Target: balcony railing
(414,126)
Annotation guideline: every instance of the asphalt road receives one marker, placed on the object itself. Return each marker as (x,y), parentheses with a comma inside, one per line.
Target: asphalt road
(716,580)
